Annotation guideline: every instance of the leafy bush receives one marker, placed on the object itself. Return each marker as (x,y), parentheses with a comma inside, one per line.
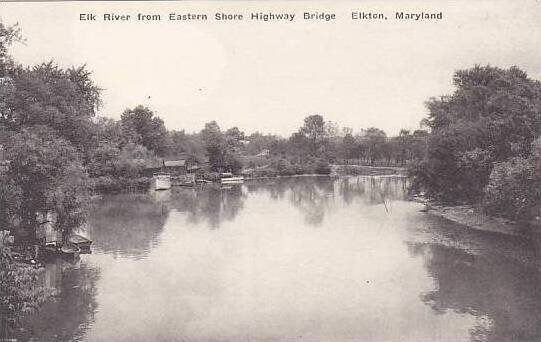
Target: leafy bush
(514,189)
(322,168)
(20,292)
(491,117)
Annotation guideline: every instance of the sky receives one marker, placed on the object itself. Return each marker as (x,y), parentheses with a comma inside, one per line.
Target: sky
(268,76)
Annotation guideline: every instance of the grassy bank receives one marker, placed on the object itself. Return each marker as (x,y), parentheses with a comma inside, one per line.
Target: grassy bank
(360,170)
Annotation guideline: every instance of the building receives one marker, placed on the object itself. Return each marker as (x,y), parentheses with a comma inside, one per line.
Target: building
(175,167)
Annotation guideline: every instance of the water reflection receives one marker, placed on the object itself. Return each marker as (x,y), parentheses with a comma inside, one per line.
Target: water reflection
(212,204)
(71,313)
(128,225)
(375,269)
(372,190)
(503,292)
(316,197)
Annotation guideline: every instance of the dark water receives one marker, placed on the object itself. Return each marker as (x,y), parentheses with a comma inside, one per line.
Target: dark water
(304,259)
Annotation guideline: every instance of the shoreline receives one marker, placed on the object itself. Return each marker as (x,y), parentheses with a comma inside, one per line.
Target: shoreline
(473,218)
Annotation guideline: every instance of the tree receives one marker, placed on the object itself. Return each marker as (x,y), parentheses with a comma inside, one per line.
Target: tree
(47,95)
(20,293)
(349,146)
(514,187)
(45,176)
(140,126)
(259,142)
(8,35)
(315,131)
(190,144)
(233,138)
(372,141)
(492,116)
(215,145)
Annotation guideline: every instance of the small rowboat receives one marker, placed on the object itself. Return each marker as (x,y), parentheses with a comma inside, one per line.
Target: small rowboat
(80,241)
(70,250)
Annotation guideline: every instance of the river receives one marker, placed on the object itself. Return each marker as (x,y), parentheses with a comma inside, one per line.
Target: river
(291,259)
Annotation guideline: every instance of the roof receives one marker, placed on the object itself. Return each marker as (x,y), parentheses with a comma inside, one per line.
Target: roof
(173,163)
(147,163)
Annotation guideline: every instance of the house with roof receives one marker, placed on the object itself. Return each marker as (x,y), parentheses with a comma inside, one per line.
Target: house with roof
(175,167)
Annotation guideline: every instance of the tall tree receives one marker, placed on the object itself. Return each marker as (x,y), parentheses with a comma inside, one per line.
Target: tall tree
(46,177)
(65,100)
(141,126)
(372,140)
(215,144)
(494,114)
(315,130)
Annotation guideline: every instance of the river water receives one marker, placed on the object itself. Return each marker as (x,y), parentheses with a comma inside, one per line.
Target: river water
(296,259)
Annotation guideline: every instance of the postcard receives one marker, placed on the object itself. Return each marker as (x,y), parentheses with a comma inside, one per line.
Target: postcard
(270,171)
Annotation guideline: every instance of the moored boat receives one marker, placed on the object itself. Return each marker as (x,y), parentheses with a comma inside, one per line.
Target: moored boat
(162,181)
(70,250)
(80,241)
(229,178)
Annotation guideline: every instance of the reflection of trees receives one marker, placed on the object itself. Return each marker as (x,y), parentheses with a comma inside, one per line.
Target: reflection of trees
(312,198)
(308,194)
(275,187)
(212,203)
(506,291)
(373,190)
(315,196)
(126,224)
(71,313)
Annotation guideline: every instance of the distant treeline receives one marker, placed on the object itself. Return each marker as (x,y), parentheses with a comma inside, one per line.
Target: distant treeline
(479,147)
(56,150)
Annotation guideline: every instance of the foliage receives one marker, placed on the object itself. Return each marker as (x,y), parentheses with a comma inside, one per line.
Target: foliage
(314,132)
(222,148)
(19,292)
(8,35)
(215,145)
(514,188)
(46,176)
(64,100)
(140,126)
(493,115)
(188,144)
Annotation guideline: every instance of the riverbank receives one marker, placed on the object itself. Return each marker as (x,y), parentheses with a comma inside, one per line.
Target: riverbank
(108,185)
(361,170)
(474,218)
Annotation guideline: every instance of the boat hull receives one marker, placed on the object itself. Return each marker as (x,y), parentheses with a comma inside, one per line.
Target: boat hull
(232,180)
(162,182)
(70,252)
(80,241)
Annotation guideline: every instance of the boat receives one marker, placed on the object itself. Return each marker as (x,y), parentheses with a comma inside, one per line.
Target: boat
(162,181)
(70,250)
(80,241)
(229,178)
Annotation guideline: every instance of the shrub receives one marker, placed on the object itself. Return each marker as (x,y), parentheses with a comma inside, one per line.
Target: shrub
(514,189)
(322,168)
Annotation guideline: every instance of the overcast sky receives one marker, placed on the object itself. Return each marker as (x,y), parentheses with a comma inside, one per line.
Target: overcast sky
(269,76)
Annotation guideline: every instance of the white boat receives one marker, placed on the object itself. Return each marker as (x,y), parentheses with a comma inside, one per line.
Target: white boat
(229,178)
(162,181)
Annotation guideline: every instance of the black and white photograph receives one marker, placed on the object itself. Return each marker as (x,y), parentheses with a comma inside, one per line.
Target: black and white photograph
(268,171)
